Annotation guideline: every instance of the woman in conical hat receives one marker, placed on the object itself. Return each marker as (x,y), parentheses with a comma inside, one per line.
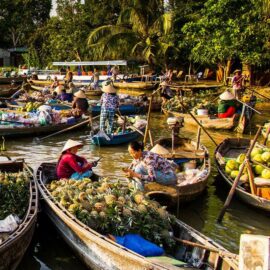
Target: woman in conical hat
(149,166)
(72,166)
(226,106)
(109,104)
(237,83)
(80,104)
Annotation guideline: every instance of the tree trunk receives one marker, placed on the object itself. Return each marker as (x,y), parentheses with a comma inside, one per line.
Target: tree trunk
(228,68)
(219,73)
(247,71)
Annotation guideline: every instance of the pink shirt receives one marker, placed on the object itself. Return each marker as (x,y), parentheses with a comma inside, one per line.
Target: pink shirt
(69,164)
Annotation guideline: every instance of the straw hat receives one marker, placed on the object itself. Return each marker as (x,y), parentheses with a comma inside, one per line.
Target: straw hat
(80,94)
(164,83)
(237,70)
(70,144)
(107,87)
(58,89)
(160,150)
(227,96)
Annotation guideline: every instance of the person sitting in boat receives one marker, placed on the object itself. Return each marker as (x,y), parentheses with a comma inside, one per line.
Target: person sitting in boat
(72,88)
(166,92)
(237,83)
(149,166)
(55,82)
(109,103)
(226,106)
(80,104)
(70,165)
(64,96)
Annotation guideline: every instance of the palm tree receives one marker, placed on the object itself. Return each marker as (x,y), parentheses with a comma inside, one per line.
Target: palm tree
(140,31)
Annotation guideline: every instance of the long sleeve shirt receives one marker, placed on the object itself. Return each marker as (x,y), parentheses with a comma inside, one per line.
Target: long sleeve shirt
(71,163)
(152,163)
(109,101)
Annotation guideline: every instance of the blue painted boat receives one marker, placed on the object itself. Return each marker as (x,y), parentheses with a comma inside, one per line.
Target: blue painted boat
(127,137)
(127,109)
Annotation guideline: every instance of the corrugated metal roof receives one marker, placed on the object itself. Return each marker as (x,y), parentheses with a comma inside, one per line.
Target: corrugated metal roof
(92,63)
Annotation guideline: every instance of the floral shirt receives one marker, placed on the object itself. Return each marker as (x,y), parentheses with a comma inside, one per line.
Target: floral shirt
(237,81)
(109,101)
(152,163)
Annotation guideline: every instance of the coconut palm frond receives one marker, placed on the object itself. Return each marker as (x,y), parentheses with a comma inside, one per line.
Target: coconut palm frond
(148,53)
(139,45)
(102,31)
(124,16)
(162,25)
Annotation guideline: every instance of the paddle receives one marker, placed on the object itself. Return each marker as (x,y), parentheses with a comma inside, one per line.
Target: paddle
(248,106)
(234,185)
(195,119)
(66,129)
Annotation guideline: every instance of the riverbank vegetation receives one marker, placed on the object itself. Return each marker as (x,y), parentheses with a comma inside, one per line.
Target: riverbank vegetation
(184,34)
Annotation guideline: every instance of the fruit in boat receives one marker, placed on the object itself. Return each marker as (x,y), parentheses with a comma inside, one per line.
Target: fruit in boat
(138,198)
(244,178)
(234,174)
(232,164)
(240,159)
(228,170)
(266,174)
(258,158)
(258,169)
(266,156)
(256,151)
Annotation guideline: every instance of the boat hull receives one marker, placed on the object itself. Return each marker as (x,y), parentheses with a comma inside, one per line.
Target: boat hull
(135,85)
(116,139)
(239,146)
(13,249)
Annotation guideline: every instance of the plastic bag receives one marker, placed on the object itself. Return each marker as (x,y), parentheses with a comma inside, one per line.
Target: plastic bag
(9,224)
(139,245)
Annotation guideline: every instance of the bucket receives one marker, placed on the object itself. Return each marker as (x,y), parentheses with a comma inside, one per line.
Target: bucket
(202,112)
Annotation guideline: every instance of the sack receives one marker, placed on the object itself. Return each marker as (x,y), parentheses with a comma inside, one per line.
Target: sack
(9,224)
(139,245)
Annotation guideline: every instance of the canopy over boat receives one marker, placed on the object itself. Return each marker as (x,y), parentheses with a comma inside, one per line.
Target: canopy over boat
(92,63)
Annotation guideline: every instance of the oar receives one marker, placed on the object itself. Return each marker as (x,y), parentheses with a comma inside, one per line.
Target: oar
(66,129)
(235,183)
(248,106)
(195,119)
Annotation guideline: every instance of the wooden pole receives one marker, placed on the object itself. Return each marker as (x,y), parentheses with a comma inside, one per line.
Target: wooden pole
(195,119)
(198,138)
(151,138)
(245,104)
(234,185)
(267,134)
(251,179)
(172,140)
(148,120)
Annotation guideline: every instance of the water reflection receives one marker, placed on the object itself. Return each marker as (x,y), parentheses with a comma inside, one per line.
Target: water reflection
(50,252)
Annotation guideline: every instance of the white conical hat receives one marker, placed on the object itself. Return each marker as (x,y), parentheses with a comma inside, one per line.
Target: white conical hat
(58,89)
(80,94)
(70,143)
(227,96)
(160,150)
(107,87)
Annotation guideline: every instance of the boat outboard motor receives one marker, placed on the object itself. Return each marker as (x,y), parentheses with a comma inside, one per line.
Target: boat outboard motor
(175,123)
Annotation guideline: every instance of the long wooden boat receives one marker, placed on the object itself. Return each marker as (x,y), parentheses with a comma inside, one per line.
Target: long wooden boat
(8,90)
(127,137)
(125,109)
(99,252)
(23,130)
(13,248)
(231,148)
(185,149)
(135,85)
(9,80)
(43,82)
(207,121)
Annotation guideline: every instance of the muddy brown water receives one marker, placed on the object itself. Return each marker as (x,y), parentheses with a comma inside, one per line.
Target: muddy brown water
(49,251)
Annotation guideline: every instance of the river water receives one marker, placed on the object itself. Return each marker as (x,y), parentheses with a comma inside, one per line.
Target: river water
(49,251)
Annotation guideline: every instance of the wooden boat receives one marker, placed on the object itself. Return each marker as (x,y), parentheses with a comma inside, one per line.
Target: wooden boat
(23,130)
(125,109)
(43,82)
(13,248)
(185,150)
(93,93)
(135,85)
(231,148)
(9,80)
(207,121)
(127,137)
(8,90)
(99,252)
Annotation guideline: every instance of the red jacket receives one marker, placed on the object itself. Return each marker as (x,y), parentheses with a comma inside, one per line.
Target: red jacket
(69,164)
(229,113)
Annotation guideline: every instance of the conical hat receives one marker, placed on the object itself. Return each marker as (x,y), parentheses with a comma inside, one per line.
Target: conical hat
(80,94)
(227,96)
(160,150)
(237,70)
(107,87)
(164,83)
(70,144)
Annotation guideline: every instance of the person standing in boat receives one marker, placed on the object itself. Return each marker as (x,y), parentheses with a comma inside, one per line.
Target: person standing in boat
(55,83)
(109,104)
(80,104)
(237,83)
(149,166)
(115,72)
(96,79)
(72,166)
(69,76)
(226,106)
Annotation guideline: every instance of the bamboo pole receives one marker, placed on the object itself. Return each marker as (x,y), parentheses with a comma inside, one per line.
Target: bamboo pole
(148,120)
(267,134)
(234,185)
(198,138)
(251,179)
(151,138)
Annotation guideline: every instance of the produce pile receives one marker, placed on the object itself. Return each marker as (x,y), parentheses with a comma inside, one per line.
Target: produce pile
(33,97)
(258,154)
(191,103)
(30,106)
(14,194)
(114,208)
